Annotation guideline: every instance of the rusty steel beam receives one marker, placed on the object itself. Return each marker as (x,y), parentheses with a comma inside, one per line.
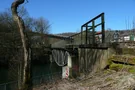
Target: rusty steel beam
(93,19)
(92,27)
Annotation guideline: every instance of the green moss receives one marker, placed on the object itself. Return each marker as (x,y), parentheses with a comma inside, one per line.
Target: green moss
(106,72)
(123,67)
(134,59)
(108,79)
(116,67)
(132,70)
(109,62)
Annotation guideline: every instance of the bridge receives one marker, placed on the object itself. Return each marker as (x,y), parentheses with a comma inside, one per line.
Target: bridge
(85,51)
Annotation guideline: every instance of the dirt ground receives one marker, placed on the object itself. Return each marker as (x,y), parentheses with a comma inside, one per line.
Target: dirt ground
(103,80)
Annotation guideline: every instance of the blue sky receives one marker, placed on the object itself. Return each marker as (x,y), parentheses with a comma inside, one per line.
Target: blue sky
(69,15)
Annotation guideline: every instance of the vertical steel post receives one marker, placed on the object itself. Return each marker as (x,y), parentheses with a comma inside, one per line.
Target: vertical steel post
(86,34)
(81,34)
(93,32)
(103,28)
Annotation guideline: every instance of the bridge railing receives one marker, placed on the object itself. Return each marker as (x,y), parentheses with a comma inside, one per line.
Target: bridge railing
(89,28)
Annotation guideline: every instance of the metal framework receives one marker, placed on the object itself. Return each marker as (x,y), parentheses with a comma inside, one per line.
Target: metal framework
(90,30)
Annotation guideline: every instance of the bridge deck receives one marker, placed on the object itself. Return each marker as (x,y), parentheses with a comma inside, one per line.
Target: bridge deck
(101,46)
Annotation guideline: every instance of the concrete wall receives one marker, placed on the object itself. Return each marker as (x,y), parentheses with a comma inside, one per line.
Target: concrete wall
(76,41)
(61,44)
(77,38)
(92,60)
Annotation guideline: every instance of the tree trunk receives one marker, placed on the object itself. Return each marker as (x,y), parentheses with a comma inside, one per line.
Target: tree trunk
(26,75)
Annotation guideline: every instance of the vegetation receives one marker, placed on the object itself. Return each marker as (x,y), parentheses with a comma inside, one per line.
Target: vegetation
(122,67)
(24,72)
(9,29)
(17,36)
(10,40)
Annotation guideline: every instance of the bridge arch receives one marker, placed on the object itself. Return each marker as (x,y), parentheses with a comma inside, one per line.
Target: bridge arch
(60,57)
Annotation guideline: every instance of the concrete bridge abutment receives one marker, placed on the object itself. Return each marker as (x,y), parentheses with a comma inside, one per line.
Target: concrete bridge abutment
(91,60)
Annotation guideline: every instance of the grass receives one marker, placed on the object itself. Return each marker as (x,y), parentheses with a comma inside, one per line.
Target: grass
(108,79)
(118,67)
(132,70)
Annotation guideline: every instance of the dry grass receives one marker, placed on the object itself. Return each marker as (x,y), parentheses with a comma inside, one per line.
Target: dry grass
(103,80)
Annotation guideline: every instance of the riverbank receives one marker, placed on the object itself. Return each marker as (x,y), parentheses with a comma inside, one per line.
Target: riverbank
(103,80)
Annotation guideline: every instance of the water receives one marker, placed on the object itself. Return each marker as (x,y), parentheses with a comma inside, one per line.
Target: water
(37,70)
(3,75)
(44,69)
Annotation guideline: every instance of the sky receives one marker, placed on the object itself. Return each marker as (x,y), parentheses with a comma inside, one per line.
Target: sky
(69,15)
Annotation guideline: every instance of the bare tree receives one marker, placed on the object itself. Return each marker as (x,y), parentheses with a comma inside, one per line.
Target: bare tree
(26,79)
(41,25)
